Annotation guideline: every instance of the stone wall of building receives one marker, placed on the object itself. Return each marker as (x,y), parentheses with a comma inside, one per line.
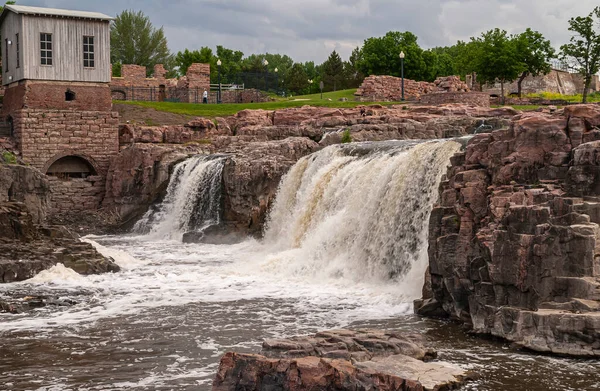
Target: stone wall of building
(134,85)
(556,81)
(481,99)
(44,136)
(52,95)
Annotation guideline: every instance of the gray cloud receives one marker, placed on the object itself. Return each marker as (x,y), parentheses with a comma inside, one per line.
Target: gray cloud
(311,29)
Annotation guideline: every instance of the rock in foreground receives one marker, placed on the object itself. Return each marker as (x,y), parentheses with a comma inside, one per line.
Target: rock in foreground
(338,360)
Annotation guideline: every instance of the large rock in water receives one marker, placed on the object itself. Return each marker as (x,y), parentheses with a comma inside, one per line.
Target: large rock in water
(27,246)
(339,360)
(251,178)
(514,243)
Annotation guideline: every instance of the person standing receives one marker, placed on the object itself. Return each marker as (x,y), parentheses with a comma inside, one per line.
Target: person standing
(205,97)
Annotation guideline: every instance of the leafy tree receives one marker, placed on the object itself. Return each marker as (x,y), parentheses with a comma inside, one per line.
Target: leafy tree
(379,56)
(352,74)
(584,47)
(333,71)
(231,63)
(184,59)
(535,52)
(497,58)
(135,41)
(297,80)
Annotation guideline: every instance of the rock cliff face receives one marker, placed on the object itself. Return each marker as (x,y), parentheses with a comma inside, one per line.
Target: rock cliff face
(27,246)
(338,360)
(514,244)
(263,145)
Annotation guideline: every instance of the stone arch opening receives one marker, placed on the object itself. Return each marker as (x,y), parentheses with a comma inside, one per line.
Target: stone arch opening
(69,167)
(118,95)
(70,95)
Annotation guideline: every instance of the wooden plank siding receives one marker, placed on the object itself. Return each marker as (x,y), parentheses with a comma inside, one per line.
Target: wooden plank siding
(67,48)
(11,26)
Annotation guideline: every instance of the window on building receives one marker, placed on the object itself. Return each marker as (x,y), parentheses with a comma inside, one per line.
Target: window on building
(6,54)
(18,50)
(88,52)
(46,48)
(69,95)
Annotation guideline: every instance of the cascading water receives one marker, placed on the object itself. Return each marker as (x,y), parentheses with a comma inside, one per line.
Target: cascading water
(359,212)
(192,201)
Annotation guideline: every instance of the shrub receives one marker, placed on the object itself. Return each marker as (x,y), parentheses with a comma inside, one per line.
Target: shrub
(346,137)
(9,157)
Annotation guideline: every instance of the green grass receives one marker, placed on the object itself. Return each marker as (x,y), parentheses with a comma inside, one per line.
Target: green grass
(9,158)
(593,97)
(226,109)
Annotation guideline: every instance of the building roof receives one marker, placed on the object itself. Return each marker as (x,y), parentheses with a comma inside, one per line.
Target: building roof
(23,9)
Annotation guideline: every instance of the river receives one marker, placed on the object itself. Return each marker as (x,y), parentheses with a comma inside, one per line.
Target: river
(344,246)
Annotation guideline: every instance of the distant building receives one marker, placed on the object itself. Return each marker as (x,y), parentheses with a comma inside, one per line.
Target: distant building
(56,70)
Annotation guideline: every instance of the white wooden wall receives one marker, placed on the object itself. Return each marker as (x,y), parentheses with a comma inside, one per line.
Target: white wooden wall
(11,26)
(67,48)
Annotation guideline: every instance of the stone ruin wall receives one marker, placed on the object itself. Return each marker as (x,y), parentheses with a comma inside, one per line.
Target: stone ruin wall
(389,88)
(135,85)
(556,81)
(44,136)
(481,99)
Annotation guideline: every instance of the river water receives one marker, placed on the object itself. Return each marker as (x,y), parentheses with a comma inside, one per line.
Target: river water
(345,246)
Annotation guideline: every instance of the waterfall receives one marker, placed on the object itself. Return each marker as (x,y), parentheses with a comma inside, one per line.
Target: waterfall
(192,201)
(359,211)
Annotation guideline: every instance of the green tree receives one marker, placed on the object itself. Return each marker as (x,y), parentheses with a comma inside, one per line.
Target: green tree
(497,58)
(184,59)
(379,56)
(584,47)
(231,63)
(297,80)
(135,41)
(333,72)
(535,53)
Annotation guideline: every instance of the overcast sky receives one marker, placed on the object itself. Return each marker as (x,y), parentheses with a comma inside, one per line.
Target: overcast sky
(310,29)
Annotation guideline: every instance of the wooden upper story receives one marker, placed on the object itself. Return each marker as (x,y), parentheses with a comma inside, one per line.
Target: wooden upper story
(54,45)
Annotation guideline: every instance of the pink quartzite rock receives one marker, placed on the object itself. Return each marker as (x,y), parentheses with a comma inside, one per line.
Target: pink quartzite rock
(514,244)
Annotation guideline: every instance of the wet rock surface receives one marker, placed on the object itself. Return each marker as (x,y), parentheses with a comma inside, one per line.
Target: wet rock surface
(341,360)
(514,244)
(28,244)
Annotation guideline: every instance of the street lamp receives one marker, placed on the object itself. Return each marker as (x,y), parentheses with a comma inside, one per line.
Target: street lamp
(266,63)
(219,72)
(402,72)
(310,81)
(276,81)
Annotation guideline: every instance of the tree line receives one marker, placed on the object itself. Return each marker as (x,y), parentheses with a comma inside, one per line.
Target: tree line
(494,56)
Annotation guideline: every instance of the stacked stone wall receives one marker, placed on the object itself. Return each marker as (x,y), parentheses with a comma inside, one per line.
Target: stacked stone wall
(44,136)
(51,95)
(470,98)
(389,89)
(134,85)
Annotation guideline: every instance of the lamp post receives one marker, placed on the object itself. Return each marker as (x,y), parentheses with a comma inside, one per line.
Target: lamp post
(276,81)
(219,72)
(266,63)
(402,73)
(310,81)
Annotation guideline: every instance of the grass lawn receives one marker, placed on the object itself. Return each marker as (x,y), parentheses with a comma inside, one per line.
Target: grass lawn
(226,109)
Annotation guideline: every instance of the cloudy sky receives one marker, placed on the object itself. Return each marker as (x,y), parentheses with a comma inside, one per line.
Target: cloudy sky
(310,29)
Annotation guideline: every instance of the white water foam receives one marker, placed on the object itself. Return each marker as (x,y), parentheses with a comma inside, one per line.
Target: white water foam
(346,242)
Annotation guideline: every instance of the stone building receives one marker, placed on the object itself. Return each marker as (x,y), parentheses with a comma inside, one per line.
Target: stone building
(56,71)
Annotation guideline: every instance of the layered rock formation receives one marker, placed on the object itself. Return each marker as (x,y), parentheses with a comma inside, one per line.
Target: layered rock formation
(27,246)
(389,88)
(339,360)
(263,145)
(514,244)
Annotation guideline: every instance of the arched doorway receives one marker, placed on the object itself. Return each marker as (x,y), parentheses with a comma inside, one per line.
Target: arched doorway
(69,167)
